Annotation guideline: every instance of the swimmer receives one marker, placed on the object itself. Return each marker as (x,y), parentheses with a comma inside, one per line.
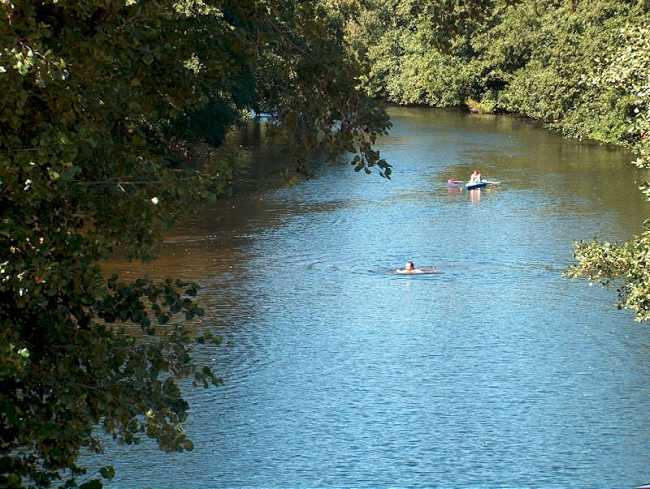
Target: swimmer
(409,268)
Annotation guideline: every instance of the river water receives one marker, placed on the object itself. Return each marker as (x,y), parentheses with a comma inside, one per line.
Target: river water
(497,372)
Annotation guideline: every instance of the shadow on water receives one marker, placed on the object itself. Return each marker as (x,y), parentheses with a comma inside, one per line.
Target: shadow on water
(497,372)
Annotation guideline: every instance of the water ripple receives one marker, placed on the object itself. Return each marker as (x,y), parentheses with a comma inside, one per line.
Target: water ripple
(496,372)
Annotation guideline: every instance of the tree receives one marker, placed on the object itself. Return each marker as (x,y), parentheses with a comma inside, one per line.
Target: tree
(103,103)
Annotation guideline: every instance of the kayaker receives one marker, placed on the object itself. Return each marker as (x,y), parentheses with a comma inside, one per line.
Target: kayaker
(475,177)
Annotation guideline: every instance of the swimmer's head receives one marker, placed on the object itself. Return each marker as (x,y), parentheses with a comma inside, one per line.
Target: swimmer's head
(409,265)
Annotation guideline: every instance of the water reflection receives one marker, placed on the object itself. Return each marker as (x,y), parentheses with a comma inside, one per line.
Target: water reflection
(497,372)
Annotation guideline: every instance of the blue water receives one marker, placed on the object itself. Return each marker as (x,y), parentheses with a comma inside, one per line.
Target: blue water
(498,372)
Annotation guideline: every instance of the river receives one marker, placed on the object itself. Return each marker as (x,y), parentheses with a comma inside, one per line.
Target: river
(497,372)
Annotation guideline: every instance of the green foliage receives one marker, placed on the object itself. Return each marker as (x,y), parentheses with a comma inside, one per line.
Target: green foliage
(570,64)
(418,52)
(311,88)
(624,264)
(107,109)
(486,106)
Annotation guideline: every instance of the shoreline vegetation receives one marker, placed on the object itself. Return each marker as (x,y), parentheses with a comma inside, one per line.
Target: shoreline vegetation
(104,101)
(578,67)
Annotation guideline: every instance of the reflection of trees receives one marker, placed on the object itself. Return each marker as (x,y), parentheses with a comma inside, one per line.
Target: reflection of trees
(534,159)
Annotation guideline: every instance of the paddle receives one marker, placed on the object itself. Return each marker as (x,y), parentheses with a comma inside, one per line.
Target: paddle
(492,182)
